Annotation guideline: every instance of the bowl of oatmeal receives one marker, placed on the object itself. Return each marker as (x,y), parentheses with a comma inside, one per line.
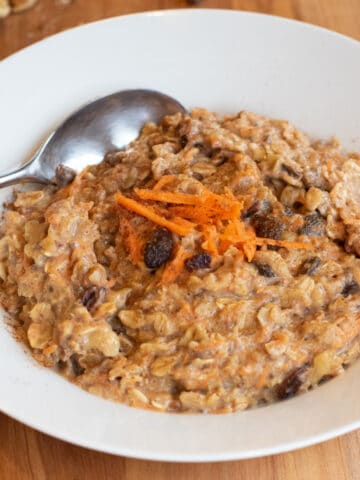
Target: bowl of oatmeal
(212,267)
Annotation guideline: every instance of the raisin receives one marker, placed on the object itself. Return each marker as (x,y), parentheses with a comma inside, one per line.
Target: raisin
(196,262)
(252,210)
(117,326)
(314,225)
(290,171)
(112,158)
(340,243)
(198,176)
(310,266)
(298,205)
(183,141)
(61,365)
(265,270)
(204,148)
(92,297)
(290,386)
(158,249)
(351,288)
(325,379)
(176,388)
(267,226)
(75,365)
(220,156)
(64,175)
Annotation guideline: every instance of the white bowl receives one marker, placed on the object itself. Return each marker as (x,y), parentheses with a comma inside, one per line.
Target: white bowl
(226,61)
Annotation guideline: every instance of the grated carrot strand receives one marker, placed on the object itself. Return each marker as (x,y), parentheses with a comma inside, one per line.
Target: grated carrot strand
(165,180)
(148,213)
(132,241)
(175,267)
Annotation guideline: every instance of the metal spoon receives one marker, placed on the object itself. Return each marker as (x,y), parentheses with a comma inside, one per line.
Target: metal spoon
(107,124)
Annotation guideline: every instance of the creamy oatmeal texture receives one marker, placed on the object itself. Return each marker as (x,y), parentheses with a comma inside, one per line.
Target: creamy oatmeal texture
(211,267)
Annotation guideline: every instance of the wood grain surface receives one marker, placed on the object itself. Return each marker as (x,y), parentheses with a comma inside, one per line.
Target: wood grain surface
(26,454)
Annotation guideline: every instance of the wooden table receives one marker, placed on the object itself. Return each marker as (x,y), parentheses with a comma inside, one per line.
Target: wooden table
(26,454)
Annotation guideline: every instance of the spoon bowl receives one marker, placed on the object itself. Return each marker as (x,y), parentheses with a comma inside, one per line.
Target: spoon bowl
(107,124)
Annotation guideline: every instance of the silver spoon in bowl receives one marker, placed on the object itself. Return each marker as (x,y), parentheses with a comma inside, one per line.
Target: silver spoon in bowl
(107,124)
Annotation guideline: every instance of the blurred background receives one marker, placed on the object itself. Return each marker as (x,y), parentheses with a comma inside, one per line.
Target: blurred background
(23,22)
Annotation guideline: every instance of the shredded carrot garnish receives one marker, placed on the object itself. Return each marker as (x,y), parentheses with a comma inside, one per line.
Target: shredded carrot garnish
(165,213)
(148,213)
(249,250)
(201,215)
(165,180)
(183,222)
(161,210)
(208,198)
(217,217)
(211,237)
(169,197)
(238,234)
(132,241)
(223,246)
(175,267)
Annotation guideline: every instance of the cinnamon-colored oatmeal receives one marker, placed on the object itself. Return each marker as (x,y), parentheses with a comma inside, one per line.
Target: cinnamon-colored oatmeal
(212,266)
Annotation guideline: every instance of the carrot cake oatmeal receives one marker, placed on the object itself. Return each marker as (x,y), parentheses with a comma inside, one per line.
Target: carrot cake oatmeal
(212,266)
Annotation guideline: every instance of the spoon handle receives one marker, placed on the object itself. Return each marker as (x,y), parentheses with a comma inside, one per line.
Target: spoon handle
(21,175)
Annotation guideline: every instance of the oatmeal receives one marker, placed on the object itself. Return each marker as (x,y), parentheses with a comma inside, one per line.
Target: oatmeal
(212,266)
